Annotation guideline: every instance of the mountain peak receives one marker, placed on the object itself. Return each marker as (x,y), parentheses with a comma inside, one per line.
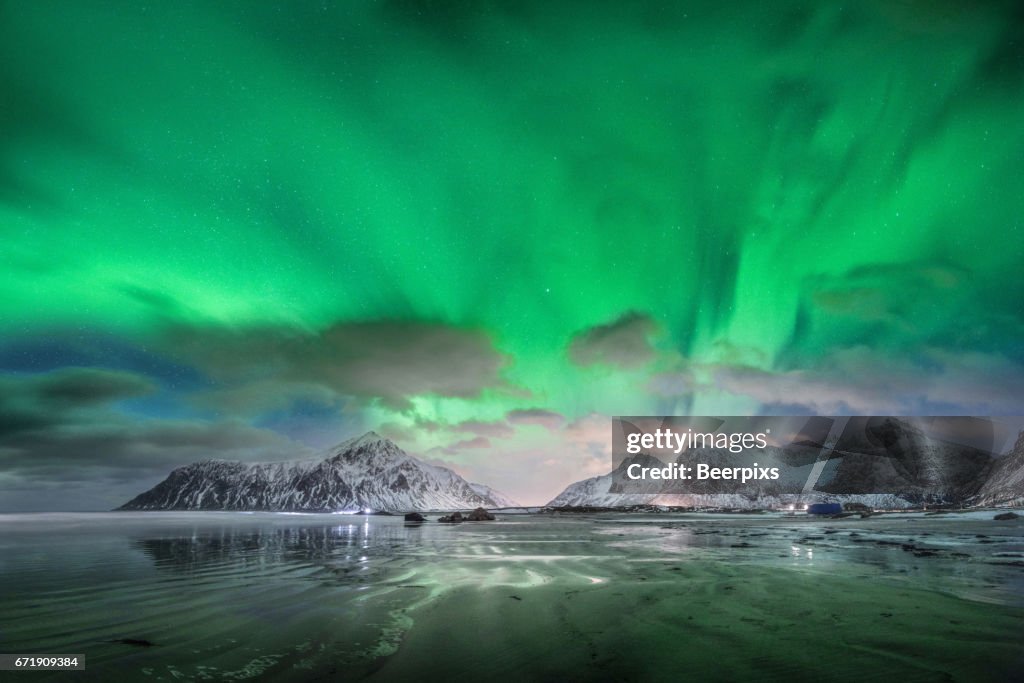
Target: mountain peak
(368,445)
(366,439)
(369,437)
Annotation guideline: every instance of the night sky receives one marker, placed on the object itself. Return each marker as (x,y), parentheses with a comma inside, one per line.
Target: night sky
(250,230)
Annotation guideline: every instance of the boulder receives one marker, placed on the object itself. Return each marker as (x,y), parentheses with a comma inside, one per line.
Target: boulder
(479,515)
(453,518)
(415,517)
(1005,516)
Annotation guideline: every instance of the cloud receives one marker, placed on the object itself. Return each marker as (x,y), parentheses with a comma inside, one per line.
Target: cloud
(118,447)
(31,402)
(477,443)
(590,438)
(536,416)
(265,395)
(389,361)
(624,343)
(890,292)
(494,430)
(882,338)
(398,433)
(865,381)
(668,384)
(79,386)
(64,428)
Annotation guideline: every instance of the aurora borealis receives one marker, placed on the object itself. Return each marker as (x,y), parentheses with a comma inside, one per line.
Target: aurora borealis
(249,230)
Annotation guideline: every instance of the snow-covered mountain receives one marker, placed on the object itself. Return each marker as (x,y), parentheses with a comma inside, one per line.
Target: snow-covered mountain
(499,498)
(368,472)
(1005,483)
(594,492)
(895,455)
(886,464)
(609,490)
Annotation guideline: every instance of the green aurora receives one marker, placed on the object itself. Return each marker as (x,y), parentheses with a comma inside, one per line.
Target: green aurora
(242,229)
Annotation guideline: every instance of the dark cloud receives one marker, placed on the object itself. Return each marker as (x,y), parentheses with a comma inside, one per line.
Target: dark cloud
(861,380)
(263,396)
(390,361)
(63,429)
(624,343)
(119,446)
(31,402)
(87,386)
(62,347)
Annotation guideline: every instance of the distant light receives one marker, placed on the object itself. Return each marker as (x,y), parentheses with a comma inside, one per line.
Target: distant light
(367,511)
(792,507)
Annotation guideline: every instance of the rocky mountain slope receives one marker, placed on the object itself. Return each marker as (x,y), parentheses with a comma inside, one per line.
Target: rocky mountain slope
(499,498)
(1005,484)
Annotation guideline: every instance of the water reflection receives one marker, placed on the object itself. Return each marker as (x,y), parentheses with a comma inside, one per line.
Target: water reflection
(327,555)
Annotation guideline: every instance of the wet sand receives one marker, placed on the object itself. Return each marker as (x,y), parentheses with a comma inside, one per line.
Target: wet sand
(720,612)
(710,622)
(226,597)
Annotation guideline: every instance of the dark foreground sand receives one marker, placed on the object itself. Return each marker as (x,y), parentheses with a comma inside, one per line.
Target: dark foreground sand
(710,622)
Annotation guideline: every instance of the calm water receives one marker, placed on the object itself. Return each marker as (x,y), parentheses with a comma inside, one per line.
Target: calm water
(232,596)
